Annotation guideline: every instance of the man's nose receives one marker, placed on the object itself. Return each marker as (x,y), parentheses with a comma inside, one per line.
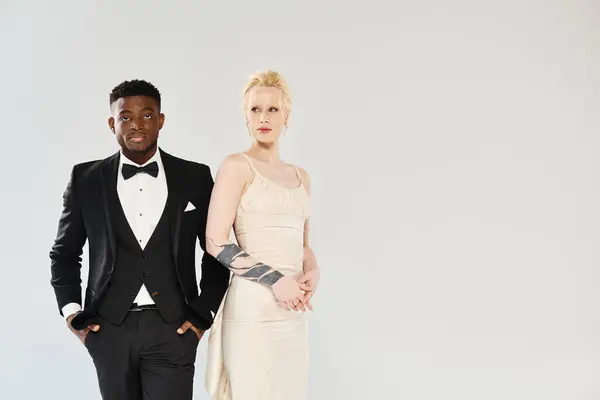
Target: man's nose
(135,124)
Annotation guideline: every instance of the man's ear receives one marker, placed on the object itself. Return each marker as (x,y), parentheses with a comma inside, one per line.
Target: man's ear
(111,124)
(161,120)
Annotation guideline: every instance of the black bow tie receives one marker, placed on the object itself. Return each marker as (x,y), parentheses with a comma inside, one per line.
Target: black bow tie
(130,170)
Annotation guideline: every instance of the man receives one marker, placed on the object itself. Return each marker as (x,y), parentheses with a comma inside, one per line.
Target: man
(141,211)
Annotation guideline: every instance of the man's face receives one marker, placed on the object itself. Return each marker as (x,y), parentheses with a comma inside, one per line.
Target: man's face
(136,122)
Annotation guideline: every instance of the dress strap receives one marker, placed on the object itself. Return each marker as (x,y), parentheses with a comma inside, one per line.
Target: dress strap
(250,162)
(298,173)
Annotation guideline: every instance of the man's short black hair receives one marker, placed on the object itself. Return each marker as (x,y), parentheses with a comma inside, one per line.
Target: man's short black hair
(136,87)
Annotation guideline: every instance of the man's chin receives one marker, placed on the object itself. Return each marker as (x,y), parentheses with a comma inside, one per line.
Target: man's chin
(140,148)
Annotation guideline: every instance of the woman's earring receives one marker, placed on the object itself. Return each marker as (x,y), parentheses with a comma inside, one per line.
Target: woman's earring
(285,131)
(248,128)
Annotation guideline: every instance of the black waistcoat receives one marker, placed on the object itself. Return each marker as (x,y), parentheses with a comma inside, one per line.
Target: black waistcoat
(153,266)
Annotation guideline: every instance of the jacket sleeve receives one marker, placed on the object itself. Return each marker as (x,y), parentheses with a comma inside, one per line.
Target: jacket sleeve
(65,255)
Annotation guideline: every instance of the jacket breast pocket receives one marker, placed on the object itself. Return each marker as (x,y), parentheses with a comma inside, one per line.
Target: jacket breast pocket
(191,214)
(190,218)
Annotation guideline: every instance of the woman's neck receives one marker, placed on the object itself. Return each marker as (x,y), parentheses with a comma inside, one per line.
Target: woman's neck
(267,153)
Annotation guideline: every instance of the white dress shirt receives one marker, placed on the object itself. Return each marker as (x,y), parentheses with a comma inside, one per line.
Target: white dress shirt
(143,199)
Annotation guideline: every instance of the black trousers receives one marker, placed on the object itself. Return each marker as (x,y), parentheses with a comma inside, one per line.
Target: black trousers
(143,358)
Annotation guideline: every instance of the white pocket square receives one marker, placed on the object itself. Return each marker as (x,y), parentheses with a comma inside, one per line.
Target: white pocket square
(190,207)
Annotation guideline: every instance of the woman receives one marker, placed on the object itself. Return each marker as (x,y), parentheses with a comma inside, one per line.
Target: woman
(258,342)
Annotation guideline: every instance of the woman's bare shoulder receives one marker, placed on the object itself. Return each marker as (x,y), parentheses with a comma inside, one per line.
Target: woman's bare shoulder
(235,167)
(304,174)
(235,162)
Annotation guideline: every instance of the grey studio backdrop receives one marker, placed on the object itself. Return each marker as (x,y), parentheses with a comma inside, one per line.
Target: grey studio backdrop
(453,148)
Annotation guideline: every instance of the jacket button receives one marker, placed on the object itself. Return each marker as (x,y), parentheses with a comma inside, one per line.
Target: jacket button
(145,274)
(144,257)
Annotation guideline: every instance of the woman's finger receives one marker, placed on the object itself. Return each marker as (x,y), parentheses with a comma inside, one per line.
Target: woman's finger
(293,304)
(284,305)
(307,300)
(301,307)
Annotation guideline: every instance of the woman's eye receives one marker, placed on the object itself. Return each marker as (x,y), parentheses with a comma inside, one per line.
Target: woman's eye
(273,109)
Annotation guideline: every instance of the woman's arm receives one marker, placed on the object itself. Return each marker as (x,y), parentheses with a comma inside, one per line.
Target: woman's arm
(309,260)
(232,178)
(310,267)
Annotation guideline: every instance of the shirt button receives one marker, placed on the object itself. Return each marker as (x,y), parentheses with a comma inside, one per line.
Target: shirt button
(140,214)
(140,190)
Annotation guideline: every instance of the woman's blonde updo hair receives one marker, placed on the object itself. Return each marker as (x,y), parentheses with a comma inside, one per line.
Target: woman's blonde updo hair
(273,79)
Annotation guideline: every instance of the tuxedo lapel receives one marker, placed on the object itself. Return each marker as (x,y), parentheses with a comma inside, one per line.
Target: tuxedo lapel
(174,202)
(109,187)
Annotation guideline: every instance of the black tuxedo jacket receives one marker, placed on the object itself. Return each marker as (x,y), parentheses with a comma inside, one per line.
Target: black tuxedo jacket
(86,215)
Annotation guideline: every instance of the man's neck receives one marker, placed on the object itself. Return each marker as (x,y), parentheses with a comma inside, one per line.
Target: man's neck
(139,158)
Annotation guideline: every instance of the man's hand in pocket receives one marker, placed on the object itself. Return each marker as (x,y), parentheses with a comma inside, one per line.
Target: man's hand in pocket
(84,332)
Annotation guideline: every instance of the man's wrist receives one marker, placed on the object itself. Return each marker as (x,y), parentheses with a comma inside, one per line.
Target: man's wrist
(70,309)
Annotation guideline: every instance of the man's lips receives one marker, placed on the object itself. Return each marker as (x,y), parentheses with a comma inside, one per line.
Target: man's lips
(136,138)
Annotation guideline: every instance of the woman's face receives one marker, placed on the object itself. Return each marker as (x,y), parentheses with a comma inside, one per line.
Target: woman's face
(265,114)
